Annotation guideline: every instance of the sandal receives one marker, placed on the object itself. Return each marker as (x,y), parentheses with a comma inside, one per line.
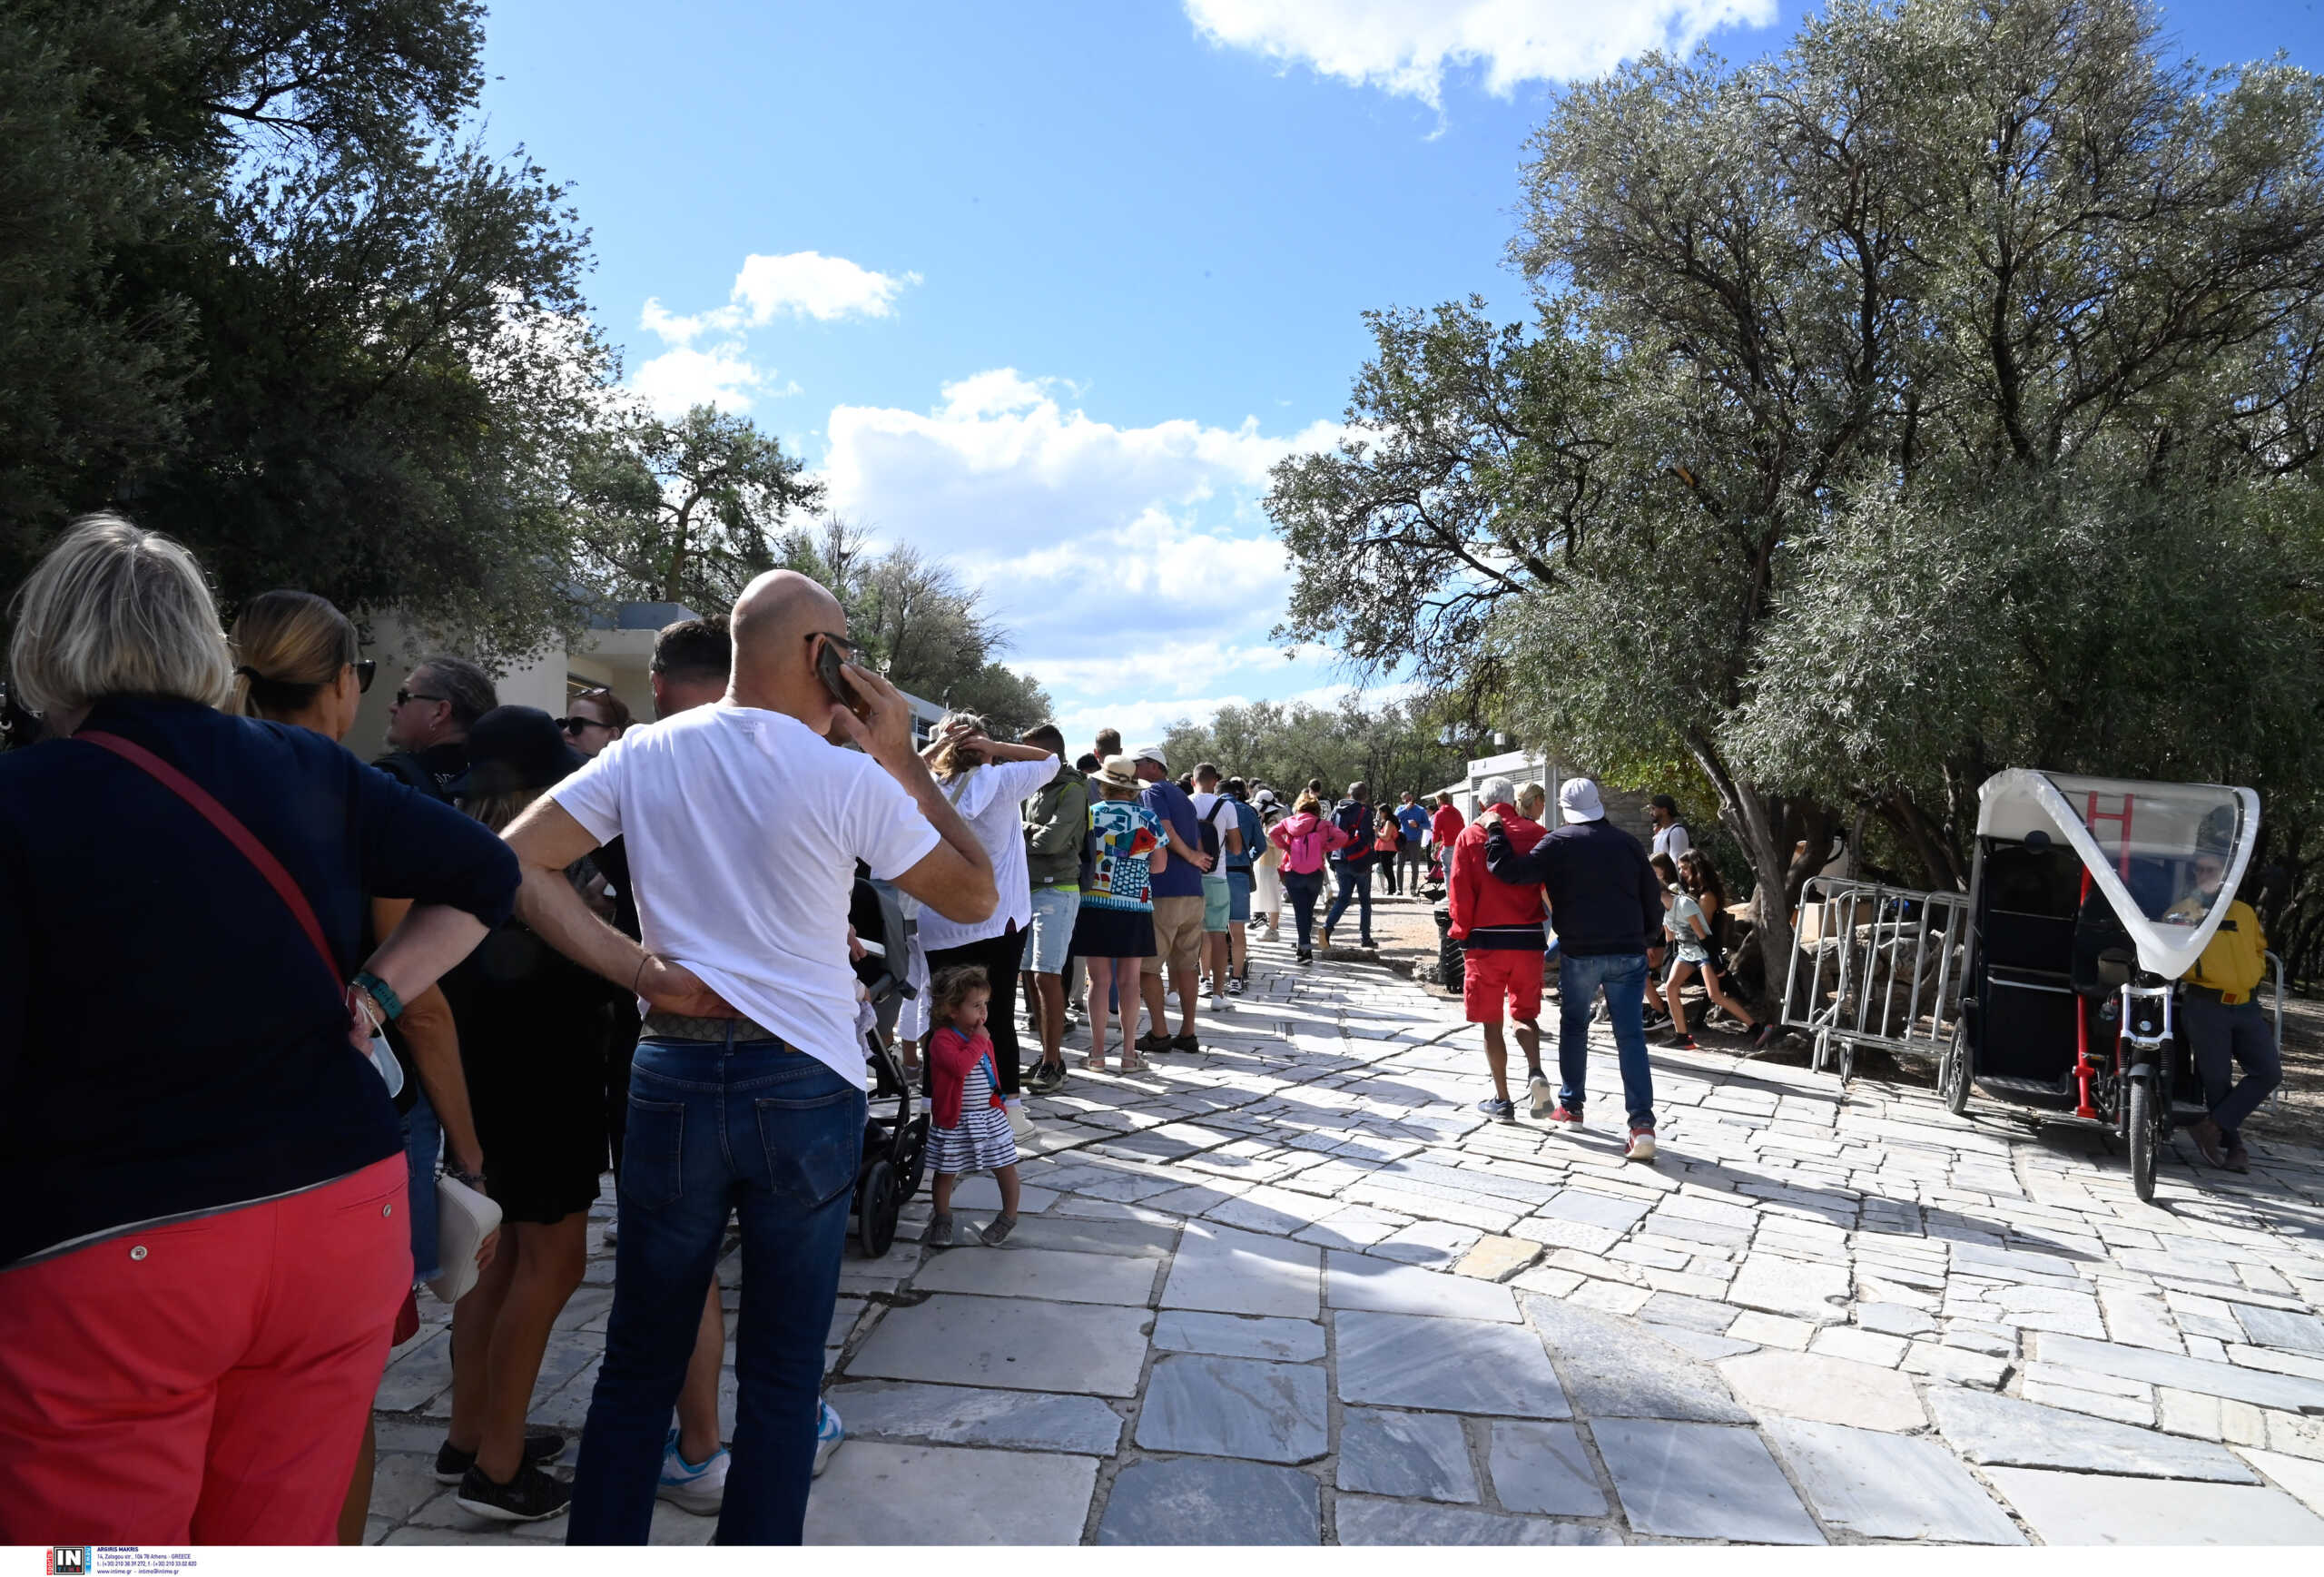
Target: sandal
(1134,1063)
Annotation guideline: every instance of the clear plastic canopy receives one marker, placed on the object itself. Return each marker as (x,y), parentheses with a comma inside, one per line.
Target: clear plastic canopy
(2169,857)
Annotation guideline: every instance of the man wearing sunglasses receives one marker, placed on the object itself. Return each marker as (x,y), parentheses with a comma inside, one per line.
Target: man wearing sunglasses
(427,725)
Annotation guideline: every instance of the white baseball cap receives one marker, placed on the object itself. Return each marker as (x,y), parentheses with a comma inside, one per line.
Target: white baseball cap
(1577,801)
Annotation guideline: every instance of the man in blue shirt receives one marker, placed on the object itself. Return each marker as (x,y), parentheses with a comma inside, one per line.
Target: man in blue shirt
(1177,906)
(1411,860)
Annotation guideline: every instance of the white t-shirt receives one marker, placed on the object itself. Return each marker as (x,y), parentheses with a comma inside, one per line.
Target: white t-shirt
(1673,840)
(1218,810)
(744,828)
(990,798)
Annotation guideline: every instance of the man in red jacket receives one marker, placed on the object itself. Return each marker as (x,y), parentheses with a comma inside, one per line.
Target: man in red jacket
(1499,926)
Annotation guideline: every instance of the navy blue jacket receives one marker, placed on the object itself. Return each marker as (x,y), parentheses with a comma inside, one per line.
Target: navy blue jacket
(1603,897)
(170,1044)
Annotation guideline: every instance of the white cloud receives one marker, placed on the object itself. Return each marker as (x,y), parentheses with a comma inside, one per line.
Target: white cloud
(1405,46)
(803,284)
(1131,565)
(683,378)
(807,284)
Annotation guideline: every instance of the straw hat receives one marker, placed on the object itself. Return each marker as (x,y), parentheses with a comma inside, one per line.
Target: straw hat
(1119,772)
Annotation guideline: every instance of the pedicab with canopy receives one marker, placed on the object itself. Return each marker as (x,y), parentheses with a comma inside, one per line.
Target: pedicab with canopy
(2084,910)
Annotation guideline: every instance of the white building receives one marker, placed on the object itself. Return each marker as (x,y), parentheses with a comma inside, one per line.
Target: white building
(616,653)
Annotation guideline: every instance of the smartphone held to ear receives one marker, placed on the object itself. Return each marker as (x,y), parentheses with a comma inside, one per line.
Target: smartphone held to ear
(829,666)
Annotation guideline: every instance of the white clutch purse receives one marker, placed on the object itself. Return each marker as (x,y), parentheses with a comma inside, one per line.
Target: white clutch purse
(464,1219)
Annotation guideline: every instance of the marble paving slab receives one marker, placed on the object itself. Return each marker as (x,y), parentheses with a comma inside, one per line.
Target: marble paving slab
(1423,1455)
(1888,1486)
(1445,1365)
(1239,1408)
(1700,1480)
(1229,1271)
(1542,1467)
(2008,1432)
(1373,1520)
(1053,1274)
(977,1415)
(1359,1281)
(1238,1335)
(1019,1343)
(1195,1500)
(876,1493)
(1617,1368)
(2084,1508)
(2206,1375)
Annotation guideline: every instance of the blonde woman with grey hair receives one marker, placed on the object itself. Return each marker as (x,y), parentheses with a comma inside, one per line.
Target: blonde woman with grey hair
(204,1249)
(988,782)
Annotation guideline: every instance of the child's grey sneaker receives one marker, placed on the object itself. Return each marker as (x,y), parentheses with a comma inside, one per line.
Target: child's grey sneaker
(940,1232)
(997,1233)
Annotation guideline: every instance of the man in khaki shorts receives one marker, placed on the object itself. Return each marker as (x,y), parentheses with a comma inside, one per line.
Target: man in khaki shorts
(1177,906)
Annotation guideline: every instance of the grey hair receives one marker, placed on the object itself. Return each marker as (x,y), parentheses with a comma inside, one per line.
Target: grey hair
(1497,791)
(468,689)
(115,609)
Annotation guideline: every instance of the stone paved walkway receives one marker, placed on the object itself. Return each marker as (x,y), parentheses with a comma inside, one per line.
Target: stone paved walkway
(1297,1290)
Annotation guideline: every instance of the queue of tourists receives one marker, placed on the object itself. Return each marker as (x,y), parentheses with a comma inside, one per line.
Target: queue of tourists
(285,1036)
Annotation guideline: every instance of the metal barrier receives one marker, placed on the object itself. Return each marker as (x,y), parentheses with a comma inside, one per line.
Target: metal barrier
(1884,970)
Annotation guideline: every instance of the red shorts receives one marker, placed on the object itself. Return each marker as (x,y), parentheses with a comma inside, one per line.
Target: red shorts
(205,1382)
(1491,977)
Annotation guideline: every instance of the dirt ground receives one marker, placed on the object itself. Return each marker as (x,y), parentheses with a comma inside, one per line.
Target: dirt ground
(1406,930)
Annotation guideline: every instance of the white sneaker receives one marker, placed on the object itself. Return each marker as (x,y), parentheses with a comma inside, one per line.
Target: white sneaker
(1219,1002)
(1020,1122)
(1543,1097)
(691,1487)
(829,1433)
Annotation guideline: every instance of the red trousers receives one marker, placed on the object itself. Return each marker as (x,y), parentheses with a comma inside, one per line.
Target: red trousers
(205,1383)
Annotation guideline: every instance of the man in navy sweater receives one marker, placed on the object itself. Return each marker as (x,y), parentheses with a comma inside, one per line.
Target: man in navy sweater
(1606,905)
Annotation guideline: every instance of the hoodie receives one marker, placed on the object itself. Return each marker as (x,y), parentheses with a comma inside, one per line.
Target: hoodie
(1605,896)
(1490,915)
(1057,828)
(1306,839)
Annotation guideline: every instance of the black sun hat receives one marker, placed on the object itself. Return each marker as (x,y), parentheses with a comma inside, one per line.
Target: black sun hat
(513,748)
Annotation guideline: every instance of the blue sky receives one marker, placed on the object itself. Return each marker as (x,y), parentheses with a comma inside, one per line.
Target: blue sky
(1045,288)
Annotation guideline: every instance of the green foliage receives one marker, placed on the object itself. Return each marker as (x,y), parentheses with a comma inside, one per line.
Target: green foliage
(691,510)
(1931,397)
(1395,746)
(266,298)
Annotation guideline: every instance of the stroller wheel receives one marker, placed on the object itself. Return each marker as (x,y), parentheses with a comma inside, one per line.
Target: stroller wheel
(876,1204)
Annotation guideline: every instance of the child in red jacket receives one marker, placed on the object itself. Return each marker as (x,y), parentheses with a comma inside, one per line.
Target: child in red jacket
(966,1121)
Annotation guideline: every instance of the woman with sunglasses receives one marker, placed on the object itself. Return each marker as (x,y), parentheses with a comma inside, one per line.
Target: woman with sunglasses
(295,662)
(595,719)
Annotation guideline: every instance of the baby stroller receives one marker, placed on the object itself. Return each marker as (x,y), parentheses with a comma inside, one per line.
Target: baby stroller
(895,1149)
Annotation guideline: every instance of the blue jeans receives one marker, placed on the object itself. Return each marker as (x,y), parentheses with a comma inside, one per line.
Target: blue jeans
(1302,888)
(1622,976)
(774,1136)
(1355,882)
(423,1140)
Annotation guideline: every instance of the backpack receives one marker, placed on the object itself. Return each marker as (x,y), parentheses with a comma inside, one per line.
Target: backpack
(1207,821)
(1255,837)
(1306,848)
(1355,820)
